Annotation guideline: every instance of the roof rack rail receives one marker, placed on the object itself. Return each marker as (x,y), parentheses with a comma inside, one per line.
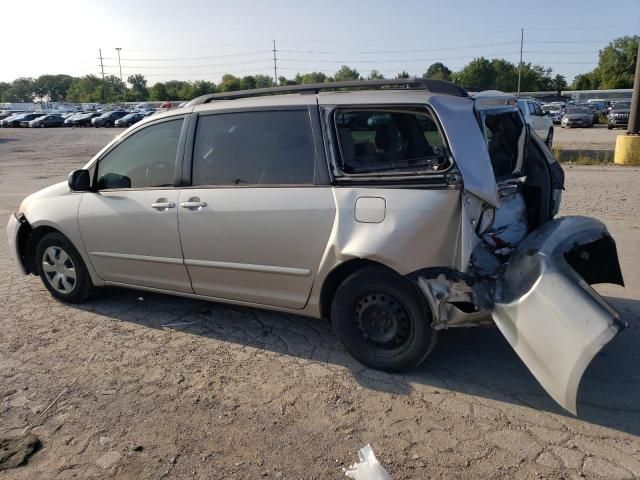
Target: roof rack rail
(429,84)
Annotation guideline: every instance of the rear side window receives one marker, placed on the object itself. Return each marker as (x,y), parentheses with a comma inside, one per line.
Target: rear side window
(386,140)
(254,148)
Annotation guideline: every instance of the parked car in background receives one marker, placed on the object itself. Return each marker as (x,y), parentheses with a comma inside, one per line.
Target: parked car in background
(108,119)
(82,120)
(619,115)
(23,117)
(6,114)
(48,120)
(439,214)
(577,117)
(554,111)
(535,117)
(69,121)
(129,119)
(5,121)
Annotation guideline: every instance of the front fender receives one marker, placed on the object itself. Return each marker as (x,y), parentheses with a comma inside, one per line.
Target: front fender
(546,309)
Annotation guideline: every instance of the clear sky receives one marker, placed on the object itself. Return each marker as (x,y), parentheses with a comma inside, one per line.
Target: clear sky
(198,39)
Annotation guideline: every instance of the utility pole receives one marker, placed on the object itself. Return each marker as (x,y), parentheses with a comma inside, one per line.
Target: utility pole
(102,70)
(275,65)
(120,67)
(520,64)
(633,128)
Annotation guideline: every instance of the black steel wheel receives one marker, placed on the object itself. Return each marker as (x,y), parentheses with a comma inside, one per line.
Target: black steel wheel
(382,320)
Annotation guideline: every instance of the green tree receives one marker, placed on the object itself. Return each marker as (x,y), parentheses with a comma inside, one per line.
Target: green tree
(139,91)
(158,92)
(313,77)
(263,81)
(403,74)
(583,81)
(437,70)
(375,75)
(346,73)
(479,73)
(248,82)
(202,87)
(52,88)
(559,83)
(230,83)
(616,63)
(20,91)
(505,75)
(4,86)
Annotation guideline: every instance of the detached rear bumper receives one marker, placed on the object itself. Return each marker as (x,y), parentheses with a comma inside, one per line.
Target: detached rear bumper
(13,229)
(546,309)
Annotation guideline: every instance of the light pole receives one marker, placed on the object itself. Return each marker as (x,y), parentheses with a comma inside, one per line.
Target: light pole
(120,67)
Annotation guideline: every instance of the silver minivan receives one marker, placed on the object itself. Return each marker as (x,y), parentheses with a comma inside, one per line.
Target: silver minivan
(396,208)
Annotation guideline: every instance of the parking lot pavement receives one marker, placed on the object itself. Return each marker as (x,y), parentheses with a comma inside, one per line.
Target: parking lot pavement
(597,137)
(237,393)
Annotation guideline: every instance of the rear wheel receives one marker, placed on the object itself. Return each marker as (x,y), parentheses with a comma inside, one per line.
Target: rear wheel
(62,269)
(549,140)
(108,124)
(382,321)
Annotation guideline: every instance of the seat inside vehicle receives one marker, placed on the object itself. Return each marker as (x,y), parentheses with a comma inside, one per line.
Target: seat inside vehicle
(372,141)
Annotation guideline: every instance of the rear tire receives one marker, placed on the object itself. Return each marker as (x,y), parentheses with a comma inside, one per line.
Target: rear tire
(381,320)
(62,269)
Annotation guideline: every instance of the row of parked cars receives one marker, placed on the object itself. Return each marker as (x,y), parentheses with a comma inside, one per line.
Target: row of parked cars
(111,118)
(585,114)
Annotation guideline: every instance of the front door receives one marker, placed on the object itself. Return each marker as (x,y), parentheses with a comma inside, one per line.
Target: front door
(255,223)
(129,223)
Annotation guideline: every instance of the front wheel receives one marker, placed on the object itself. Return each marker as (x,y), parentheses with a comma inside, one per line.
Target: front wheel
(62,269)
(382,321)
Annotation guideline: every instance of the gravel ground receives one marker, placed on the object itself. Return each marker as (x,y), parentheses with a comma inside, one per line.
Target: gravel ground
(239,393)
(597,137)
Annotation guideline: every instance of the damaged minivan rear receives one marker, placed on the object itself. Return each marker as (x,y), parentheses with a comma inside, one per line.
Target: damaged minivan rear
(395,208)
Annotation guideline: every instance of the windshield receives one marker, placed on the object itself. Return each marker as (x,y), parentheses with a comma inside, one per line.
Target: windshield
(622,106)
(577,110)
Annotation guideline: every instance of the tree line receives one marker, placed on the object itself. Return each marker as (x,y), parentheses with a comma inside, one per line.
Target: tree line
(616,67)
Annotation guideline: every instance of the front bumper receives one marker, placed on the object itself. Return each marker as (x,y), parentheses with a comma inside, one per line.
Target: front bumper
(13,229)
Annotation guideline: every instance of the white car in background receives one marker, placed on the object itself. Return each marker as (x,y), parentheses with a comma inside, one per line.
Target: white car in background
(535,117)
(555,111)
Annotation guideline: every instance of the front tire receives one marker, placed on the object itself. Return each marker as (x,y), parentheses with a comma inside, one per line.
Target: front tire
(382,321)
(62,269)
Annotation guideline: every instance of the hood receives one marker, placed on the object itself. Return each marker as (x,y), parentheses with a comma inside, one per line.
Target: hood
(48,192)
(577,116)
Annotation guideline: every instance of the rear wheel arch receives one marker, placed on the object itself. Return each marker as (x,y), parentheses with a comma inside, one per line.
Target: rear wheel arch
(338,275)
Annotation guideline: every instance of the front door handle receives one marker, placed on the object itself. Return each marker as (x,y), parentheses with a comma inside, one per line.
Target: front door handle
(193,203)
(162,204)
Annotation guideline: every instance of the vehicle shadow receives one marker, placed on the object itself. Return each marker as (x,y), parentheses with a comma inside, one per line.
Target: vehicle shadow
(476,361)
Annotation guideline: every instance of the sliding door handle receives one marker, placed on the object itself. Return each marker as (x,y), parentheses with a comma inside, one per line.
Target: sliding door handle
(162,204)
(193,204)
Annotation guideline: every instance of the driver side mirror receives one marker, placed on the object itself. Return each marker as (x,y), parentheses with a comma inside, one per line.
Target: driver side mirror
(79,181)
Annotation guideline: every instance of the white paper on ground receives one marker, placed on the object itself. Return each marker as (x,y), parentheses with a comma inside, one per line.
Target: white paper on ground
(368,468)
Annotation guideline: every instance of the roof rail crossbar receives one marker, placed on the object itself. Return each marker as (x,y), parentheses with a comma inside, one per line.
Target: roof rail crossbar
(429,84)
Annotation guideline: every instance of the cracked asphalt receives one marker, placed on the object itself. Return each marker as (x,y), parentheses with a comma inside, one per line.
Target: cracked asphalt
(238,393)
